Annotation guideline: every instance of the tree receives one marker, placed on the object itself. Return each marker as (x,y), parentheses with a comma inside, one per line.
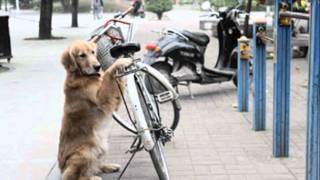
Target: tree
(159,6)
(74,6)
(45,19)
(246,21)
(66,5)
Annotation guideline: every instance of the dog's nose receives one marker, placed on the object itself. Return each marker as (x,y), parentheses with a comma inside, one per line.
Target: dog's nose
(97,67)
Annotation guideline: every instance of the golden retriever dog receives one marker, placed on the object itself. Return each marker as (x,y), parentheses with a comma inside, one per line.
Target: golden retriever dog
(90,98)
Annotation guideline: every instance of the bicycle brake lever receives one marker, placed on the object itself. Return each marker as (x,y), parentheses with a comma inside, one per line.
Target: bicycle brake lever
(128,70)
(136,60)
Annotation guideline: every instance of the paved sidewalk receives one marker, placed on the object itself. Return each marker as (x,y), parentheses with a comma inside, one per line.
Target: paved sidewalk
(212,141)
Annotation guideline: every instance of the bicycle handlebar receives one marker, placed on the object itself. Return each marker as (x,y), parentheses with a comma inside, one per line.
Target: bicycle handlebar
(104,28)
(123,14)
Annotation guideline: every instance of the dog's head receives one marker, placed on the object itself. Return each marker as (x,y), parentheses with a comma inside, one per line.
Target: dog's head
(80,58)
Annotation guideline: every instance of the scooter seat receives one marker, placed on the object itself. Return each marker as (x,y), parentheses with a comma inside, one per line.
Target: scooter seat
(200,38)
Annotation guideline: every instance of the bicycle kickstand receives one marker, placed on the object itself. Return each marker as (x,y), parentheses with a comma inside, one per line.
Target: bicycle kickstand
(134,148)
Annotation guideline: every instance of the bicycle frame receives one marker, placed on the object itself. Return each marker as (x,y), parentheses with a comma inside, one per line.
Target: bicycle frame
(141,123)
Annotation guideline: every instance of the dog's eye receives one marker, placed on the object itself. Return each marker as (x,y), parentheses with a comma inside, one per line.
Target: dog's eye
(82,55)
(92,52)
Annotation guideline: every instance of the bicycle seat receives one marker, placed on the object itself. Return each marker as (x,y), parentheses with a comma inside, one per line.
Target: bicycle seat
(125,49)
(200,38)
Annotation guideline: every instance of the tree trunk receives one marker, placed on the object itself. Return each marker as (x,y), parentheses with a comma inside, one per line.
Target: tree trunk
(45,19)
(6,5)
(74,4)
(66,5)
(159,15)
(246,22)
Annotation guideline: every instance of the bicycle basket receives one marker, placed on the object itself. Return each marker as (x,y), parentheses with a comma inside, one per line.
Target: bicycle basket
(103,54)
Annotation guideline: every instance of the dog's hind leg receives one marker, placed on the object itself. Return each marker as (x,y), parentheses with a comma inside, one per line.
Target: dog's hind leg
(74,173)
(95,178)
(70,173)
(90,178)
(81,166)
(109,168)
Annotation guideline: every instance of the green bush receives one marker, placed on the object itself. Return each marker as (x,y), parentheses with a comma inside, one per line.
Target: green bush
(186,1)
(225,3)
(158,6)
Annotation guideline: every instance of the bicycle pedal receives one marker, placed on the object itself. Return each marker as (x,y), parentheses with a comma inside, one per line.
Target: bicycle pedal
(164,96)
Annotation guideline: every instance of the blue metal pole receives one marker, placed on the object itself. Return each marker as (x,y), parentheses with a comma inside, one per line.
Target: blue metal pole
(259,77)
(281,97)
(313,134)
(243,83)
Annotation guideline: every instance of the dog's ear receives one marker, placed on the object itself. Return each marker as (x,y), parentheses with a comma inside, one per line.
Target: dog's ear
(68,61)
(94,39)
(94,47)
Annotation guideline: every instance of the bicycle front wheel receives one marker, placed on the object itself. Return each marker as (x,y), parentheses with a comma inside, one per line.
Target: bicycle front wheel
(156,153)
(159,161)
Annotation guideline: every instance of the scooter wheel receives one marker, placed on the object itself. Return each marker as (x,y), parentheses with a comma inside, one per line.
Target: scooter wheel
(304,51)
(235,80)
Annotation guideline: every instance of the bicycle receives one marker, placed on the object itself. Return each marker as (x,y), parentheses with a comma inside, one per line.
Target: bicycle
(144,102)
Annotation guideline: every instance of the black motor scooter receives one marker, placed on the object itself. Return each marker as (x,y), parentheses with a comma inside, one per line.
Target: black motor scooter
(179,54)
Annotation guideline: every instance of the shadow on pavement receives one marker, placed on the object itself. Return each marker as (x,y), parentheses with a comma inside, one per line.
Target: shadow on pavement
(225,91)
(3,68)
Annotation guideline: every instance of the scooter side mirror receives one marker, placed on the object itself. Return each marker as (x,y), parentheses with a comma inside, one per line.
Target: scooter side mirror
(206,5)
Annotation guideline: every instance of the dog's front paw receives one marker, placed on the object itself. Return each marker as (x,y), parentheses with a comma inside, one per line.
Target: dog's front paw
(124,62)
(109,168)
(121,63)
(95,178)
